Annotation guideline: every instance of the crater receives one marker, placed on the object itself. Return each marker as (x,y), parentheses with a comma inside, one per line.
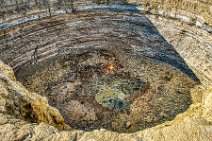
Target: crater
(136,70)
(107,67)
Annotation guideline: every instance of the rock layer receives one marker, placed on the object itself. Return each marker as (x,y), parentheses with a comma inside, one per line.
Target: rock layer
(196,12)
(28,116)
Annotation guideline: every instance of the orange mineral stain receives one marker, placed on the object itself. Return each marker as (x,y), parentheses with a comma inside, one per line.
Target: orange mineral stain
(110,67)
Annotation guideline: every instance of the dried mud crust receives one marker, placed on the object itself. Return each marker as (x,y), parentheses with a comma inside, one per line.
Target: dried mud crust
(130,95)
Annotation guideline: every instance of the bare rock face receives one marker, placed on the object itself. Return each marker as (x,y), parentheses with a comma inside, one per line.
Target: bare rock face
(69,71)
(184,130)
(207,105)
(20,103)
(196,12)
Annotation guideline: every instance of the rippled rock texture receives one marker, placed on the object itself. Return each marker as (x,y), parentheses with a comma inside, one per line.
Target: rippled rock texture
(196,12)
(106,71)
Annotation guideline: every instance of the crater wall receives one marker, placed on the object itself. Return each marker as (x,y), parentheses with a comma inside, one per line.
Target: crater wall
(196,12)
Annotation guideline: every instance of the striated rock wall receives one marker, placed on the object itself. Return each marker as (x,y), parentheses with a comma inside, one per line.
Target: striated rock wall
(193,44)
(65,31)
(194,12)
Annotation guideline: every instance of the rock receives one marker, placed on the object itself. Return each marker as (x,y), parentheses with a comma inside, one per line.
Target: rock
(24,115)
(192,129)
(19,102)
(207,105)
